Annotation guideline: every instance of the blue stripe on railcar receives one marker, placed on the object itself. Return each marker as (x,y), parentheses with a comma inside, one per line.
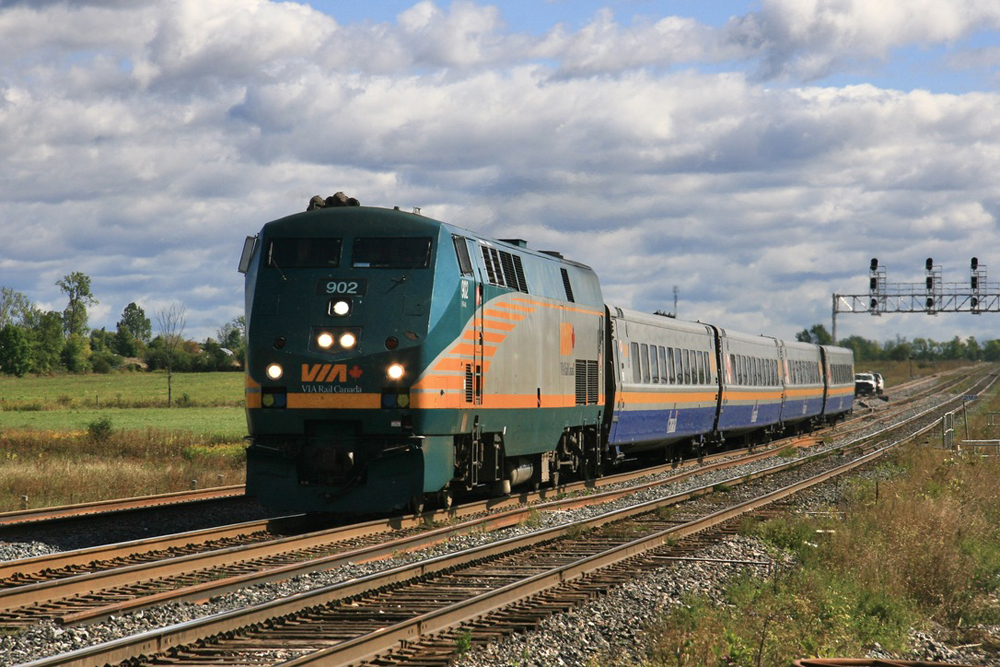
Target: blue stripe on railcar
(638,426)
(837,404)
(797,409)
(747,416)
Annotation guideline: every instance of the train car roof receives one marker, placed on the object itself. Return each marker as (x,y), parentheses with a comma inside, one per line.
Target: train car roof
(330,213)
(658,320)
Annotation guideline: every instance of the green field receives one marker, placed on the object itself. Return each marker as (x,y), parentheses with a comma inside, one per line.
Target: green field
(124,390)
(75,438)
(215,422)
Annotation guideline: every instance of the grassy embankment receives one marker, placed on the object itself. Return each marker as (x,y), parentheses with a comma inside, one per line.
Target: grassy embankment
(919,546)
(73,438)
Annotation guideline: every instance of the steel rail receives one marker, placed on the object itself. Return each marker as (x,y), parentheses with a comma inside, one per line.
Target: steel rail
(59,589)
(62,512)
(26,567)
(78,557)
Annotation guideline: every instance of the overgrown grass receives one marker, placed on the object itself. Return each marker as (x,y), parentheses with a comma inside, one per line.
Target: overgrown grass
(58,447)
(921,547)
(58,468)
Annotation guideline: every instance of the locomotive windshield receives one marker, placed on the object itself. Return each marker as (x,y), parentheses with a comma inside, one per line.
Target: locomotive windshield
(304,253)
(391,253)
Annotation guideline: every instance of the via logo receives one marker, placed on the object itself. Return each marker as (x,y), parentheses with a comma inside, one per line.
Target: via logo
(324,372)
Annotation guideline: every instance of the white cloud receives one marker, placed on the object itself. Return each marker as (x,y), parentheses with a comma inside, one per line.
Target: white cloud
(811,38)
(141,142)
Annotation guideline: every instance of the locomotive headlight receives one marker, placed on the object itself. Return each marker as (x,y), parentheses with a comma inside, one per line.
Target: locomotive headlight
(324,340)
(394,371)
(348,340)
(274,371)
(340,307)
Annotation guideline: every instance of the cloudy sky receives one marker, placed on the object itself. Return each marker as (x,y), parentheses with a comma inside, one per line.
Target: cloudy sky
(755,155)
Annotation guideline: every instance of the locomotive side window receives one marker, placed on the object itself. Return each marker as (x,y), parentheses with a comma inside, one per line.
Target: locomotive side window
(391,252)
(663,366)
(462,252)
(654,367)
(566,284)
(298,253)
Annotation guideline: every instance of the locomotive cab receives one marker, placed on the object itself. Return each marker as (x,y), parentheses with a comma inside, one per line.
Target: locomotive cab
(338,309)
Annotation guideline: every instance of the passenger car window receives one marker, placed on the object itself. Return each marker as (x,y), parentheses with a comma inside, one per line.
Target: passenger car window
(636,370)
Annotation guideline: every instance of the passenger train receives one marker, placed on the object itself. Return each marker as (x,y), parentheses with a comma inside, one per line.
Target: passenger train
(394,359)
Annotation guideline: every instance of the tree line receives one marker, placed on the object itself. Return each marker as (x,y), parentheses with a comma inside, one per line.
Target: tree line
(901,349)
(36,341)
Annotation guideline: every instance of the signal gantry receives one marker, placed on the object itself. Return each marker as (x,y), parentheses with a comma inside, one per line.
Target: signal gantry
(931,296)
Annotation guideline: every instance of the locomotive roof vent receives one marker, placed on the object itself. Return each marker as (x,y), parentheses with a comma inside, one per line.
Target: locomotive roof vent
(520,243)
(554,253)
(339,199)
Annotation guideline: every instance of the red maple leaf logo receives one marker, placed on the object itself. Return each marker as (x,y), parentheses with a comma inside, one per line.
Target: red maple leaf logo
(355,372)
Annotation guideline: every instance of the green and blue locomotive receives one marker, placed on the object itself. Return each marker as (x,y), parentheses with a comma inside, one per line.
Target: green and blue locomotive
(392,358)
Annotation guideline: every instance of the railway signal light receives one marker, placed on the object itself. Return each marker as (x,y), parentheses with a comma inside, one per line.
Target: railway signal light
(930,282)
(929,264)
(975,263)
(874,265)
(873,284)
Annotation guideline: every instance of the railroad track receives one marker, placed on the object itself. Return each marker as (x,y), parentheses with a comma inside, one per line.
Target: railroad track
(92,584)
(350,602)
(76,511)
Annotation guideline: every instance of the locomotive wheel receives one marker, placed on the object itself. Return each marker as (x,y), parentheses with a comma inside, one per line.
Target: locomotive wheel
(445,499)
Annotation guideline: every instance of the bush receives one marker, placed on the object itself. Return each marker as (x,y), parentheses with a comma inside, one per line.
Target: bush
(105,361)
(100,430)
